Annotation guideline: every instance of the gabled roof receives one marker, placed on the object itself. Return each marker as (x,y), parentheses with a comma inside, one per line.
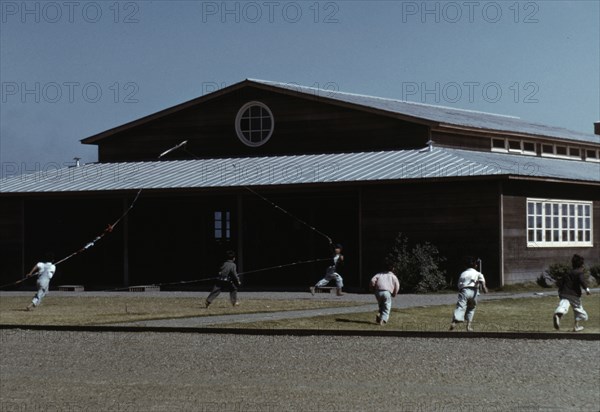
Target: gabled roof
(445,116)
(440,117)
(389,166)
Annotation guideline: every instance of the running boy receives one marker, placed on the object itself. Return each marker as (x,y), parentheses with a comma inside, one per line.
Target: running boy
(569,292)
(228,279)
(385,285)
(44,272)
(468,288)
(332,272)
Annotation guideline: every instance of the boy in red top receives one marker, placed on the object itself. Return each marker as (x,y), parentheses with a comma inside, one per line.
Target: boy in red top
(385,285)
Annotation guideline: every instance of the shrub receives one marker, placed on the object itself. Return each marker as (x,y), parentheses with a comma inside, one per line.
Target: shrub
(545,280)
(558,270)
(418,269)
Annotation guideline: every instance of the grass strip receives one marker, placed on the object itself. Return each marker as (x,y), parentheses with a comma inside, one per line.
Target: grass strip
(82,310)
(507,315)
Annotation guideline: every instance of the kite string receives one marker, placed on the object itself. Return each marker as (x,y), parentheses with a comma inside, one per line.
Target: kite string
(131,205)
(108,229)
(275,205)
(181,282)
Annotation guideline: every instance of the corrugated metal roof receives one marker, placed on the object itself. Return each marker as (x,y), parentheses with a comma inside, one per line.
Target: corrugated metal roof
(533,166)
(299,169)
(443,115)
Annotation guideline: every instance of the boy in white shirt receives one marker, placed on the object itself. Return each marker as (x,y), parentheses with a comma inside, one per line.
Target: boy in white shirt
(44,272)
(468,289)
(385,285)
(333,272)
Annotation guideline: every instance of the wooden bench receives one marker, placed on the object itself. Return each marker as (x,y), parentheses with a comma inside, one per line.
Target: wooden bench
(146,288)
(71,288)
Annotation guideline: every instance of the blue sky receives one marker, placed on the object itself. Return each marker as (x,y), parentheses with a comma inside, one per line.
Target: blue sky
(69,70)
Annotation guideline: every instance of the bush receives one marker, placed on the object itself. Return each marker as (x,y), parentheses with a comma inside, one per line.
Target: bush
(418,269)
(545,280)
(558,270)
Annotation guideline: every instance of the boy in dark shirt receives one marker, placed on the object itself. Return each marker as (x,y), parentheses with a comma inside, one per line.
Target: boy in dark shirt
(228,279)
(569,292)
(333,272)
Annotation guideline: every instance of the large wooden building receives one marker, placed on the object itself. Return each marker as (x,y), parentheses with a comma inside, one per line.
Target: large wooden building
(360,169)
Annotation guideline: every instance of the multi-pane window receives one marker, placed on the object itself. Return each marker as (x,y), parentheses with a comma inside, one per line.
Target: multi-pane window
(565,152)
(592,155)
(526,147)
(222,225)
(513,146)
(254,124)
(559,223)
(529,147)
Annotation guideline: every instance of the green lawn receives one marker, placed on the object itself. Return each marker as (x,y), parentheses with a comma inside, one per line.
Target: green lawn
(59,310)
(526,314)
(507,315)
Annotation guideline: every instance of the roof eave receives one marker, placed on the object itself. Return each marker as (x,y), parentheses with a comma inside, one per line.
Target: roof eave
(165,112)
(340,103)
(445,127)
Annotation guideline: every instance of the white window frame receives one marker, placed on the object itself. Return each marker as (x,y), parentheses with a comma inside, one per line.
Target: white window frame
(508,149)
(499,149)
(592,159)
(559,156)
(529,152)
(241,133)
(570,219)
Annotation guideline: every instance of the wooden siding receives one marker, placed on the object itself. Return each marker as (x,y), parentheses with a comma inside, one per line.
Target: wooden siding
(11,240)
(171,237)
(460,218)
(522,263)
(273,238)
(301,126)
(63,225)
(460,141)
(60,226)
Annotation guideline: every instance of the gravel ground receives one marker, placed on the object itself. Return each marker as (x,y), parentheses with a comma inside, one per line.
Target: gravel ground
(92,371)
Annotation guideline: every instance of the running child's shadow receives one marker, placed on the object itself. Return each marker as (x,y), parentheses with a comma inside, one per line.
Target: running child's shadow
(362,322)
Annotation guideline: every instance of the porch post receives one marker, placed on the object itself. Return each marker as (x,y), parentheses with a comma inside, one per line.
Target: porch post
(240,233)
(125,244)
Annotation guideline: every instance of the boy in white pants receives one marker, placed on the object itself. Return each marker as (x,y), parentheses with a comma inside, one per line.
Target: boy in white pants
(468,288)
(569,292)
(333,272)
(44,272)
(385,286)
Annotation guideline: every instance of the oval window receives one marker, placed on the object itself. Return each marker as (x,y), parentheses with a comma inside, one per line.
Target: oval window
(254,124)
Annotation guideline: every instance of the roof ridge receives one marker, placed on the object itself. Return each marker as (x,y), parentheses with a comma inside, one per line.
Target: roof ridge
(389,99)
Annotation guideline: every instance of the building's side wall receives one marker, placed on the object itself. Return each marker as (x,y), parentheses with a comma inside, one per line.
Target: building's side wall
(11,240)
(33,227)
(301,126)
(522,263)
(169,237)
(460,218)
(461,141)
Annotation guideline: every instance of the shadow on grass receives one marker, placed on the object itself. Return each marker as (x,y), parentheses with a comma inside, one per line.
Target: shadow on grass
(362,322)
